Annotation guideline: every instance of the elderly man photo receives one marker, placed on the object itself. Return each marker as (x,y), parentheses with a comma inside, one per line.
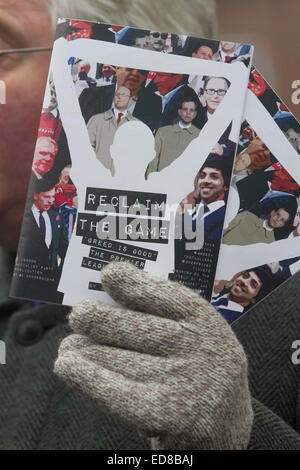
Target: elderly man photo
(44,155)
(145,105)
(214,91)
(102,127)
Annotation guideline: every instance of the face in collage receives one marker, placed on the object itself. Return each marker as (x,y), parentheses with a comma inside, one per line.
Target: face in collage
(269,211)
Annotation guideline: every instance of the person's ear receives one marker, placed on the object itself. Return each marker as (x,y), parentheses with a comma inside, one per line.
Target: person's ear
(202,100)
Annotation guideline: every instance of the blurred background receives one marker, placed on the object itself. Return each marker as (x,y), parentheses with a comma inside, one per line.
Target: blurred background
(273,28)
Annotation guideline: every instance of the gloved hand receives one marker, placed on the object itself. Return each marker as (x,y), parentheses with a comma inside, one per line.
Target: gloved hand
(168,364)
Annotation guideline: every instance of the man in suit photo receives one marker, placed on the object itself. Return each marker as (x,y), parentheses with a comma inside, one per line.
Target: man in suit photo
(43,241)
(200,215)
(208,200)
(200,48)
(102,127)
(232,298)
(232,52)
(134,37)
(145,105)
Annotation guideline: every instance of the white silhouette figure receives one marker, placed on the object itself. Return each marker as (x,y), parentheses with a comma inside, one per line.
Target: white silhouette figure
(132,150)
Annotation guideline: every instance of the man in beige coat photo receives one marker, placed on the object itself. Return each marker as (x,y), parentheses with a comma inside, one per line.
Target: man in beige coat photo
(102,127)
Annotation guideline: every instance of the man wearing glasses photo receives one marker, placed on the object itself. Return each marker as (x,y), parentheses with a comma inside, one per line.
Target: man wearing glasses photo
(157,40)
(214,90)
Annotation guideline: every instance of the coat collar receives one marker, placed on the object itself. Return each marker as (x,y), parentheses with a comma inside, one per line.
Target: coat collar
(110,115)
(192,129)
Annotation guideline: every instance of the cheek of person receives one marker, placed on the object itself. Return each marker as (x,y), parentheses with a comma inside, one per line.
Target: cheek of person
(134,80)
(187,114)
(213,101)
(43,164)
(211,187)
(242,162)
(260,157)
(166,82)
(245,288)
(279,218)
(248,133)
(25,78)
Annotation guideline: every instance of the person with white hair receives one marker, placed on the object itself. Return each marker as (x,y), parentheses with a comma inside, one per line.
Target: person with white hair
(166,365)
(102,127)
(84,80)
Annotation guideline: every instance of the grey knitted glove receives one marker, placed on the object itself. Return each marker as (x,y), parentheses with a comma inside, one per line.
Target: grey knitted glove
(168,364)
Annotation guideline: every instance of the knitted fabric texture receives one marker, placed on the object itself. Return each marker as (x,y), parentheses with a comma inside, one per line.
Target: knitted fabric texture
(166,362)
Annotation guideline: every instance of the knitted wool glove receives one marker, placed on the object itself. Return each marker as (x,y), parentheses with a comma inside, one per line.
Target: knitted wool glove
(168,363)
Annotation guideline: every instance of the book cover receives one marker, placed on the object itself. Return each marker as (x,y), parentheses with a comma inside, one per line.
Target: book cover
(133,160)
(261,246)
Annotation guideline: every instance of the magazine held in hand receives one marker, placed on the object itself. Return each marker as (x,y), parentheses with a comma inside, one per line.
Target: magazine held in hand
(165,151)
